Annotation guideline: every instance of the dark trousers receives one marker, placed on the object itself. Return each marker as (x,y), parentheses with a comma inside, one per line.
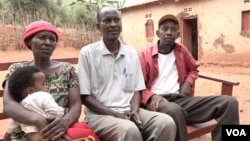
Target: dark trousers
(185,110)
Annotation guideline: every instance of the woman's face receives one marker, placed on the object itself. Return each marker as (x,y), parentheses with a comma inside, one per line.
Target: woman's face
(43,44)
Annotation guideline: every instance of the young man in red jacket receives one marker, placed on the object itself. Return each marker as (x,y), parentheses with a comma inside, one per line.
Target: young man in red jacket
(170,71)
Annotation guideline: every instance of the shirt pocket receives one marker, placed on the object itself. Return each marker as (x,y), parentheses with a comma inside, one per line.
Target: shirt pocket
(128,83)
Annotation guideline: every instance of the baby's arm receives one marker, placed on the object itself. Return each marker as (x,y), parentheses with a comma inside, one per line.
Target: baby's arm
(20,114)
(51,108)
(7,137)
(44,104)
(34,136)
(12,126)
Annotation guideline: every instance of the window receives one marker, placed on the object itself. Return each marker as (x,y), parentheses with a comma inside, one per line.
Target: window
(245,29)
(149,27)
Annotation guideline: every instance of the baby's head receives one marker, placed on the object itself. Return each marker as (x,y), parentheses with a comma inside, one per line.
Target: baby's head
(26,80)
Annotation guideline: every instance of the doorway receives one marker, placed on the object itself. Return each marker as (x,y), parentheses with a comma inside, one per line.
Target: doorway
(190,36)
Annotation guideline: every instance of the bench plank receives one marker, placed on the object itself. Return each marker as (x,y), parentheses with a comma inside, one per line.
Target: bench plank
(200,129)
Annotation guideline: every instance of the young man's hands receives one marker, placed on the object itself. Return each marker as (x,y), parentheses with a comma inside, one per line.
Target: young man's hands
(185,88)
(155,101)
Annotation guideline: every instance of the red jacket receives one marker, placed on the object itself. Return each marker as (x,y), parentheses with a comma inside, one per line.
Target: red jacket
(187,67)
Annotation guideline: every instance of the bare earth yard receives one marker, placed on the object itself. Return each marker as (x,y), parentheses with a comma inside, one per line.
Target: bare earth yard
(203,87)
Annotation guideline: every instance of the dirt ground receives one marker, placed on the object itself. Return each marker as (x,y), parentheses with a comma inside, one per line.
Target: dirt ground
(203,87)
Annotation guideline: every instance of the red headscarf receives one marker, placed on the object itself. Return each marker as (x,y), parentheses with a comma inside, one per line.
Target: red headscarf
(38,26)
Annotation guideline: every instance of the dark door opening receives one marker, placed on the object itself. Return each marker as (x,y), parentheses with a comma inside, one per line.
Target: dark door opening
(190,36)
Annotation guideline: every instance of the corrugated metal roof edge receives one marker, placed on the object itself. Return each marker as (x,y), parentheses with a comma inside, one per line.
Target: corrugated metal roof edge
(136,5)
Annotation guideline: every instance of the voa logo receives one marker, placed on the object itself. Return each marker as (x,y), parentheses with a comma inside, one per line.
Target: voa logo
(236,132)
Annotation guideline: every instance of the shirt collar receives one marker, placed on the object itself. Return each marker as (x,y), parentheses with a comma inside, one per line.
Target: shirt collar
(104,50)
(155,48)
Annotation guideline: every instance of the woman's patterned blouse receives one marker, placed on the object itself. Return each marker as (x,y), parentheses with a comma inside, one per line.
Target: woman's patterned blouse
(58,84)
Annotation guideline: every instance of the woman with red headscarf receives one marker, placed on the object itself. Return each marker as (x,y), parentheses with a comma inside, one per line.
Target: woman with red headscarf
(41,38)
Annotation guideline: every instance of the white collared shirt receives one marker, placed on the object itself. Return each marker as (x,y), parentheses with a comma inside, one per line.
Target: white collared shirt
(110,80)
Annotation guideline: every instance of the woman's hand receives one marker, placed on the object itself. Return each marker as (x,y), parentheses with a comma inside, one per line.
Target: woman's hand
(55,130)
(41,122)
(66,138)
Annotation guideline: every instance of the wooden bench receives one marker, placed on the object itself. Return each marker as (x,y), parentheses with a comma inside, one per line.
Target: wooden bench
(198,130)
(193,131)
